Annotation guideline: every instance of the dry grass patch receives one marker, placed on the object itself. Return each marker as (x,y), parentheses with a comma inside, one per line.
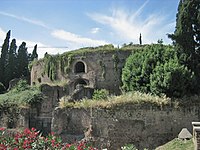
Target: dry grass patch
(127,98)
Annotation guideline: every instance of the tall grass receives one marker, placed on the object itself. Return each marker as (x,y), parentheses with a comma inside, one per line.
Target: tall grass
(126,98)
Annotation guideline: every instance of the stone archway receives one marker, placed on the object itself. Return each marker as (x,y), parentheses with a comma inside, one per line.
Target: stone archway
(82,82)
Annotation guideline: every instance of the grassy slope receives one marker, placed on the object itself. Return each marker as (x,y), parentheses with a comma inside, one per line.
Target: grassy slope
(177,144)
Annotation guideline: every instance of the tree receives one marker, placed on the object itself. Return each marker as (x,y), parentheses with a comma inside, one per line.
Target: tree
(186,37)
(22,61)
(156,69)
(4,57)
(172,79)
(11,67)
(139,66)
(140,39)
(34,54)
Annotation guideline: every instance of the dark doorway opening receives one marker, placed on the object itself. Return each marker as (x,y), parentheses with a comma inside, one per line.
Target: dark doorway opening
(80,82)
(80,67)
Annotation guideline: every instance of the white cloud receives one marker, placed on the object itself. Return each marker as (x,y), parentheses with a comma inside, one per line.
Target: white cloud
(2,35)
(95,30)
(31,21)
(41,48)
(76,39)
(128,25)
(73,41)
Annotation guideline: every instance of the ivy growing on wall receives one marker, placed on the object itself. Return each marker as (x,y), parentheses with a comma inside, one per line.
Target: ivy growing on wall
(50,66)
(103,68)
(65,63)
(53,63)
(116,61)
(70,59)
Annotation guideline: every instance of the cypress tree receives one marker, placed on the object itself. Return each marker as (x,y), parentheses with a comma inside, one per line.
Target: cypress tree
(4,57)
(140,39)
(22,61)
(186,37)
(34,54)
(11,67)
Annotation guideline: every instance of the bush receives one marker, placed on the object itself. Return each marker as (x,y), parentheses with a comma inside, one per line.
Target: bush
(101,94)
(132,72)
(21,94)
(173,79)
(22,85)
(140,65)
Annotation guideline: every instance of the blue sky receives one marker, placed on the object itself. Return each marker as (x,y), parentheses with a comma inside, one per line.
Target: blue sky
(80,23)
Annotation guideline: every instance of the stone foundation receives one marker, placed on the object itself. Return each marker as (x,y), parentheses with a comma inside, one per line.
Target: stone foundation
(145,126)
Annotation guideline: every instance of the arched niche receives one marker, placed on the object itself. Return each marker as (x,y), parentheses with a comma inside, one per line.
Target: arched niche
(79,67)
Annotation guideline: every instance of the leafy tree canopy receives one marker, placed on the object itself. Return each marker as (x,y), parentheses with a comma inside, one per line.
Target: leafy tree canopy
(156,69)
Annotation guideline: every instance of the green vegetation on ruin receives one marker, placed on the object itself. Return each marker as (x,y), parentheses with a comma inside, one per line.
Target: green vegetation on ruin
(22,95)
(62,62)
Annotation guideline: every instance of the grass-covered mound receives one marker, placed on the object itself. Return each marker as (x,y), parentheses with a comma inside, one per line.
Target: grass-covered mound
(177,144)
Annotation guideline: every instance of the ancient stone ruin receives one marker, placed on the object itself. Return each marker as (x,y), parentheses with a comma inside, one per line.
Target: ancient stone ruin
(76,75)
(97,70)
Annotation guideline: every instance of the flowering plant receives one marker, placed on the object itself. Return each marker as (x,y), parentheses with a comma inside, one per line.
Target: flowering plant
(32,139)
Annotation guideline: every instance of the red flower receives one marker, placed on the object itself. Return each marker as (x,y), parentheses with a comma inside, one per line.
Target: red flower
(24,140)
(2,129)
(3,147)
(52,142)
(67,145)
(33,129)
(27,131)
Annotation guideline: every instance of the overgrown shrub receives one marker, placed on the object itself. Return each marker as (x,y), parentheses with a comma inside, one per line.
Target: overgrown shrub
(21,94)
(21,85)
(101,94)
